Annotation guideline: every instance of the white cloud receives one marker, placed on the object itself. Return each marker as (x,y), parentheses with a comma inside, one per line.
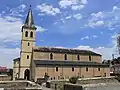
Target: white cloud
(89,37)
(10,33)
(40,29)
(96,20)
(48,9)
(7,55)
(115,8)
(98,15)
(66,3)
(99,23)
(73,4)
(16,11)
(96,23)
(85,38)
(78,16)
(84,1)
(77,7)
(68,17)
(84,48)
(10,28)
(110,20)
(94,36)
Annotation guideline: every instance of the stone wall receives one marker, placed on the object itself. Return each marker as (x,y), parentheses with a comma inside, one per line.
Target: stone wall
(19,85)
(84,81)
(5,78)
(115,86)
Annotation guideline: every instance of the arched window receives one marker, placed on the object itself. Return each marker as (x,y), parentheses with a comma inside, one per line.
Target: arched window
(98,69)
(86,69)
(56,69)
(31,34)
(89,58)
(78,57)
(28,44)
(73,69)
(26,34)
(27,56)
(51,56)
(65,56)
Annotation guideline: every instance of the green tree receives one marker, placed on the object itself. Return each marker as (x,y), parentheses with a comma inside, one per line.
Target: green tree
(73,80)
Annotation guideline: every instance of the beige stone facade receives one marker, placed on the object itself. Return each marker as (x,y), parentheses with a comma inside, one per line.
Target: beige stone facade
(58,63)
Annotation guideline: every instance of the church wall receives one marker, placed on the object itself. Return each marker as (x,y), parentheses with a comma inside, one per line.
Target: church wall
(41,71)
(57,74)
(74,57)
(97,59)
(40,56)
(66,72)
(61,56)
(25,61)
(84,58)
(15,72)
(85,73)
(98,73)
(69,57)
(33,70)
(107,71)
(25,46)
(15,69)
(57,56)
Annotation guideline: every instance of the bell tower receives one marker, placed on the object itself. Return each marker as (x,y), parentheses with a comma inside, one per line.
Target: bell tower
(27,43)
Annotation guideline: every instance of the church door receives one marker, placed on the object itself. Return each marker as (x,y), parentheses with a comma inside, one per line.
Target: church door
(27,74)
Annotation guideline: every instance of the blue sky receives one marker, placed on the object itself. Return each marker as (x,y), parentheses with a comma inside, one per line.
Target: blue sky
(82,24)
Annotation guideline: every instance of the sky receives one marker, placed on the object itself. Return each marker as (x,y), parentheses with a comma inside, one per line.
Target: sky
(80,24)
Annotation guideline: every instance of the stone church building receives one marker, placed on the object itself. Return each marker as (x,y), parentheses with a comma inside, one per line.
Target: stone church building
(57,63)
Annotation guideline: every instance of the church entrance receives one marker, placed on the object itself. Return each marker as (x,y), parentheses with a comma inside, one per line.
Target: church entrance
(27,74)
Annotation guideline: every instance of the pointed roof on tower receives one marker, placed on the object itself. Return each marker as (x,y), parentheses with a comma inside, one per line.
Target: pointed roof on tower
(29,22)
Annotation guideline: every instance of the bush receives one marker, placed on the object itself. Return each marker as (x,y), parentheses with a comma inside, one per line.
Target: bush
(73,80)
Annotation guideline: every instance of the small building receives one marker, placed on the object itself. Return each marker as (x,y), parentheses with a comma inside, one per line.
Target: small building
(5,74)
(57,63)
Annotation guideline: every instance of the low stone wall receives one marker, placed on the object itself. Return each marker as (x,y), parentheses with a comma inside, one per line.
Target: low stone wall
(82,81)
(102,86)
(5,78)
(18,85)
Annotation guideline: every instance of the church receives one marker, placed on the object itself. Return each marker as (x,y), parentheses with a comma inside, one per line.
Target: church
(58,63)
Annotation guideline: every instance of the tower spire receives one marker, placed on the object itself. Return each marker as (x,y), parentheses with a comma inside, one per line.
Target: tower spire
(29,22)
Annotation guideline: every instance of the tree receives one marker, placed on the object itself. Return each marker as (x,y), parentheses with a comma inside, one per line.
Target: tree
(73,80)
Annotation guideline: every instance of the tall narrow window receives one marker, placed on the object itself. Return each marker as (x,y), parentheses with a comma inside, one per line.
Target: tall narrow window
(87,69)
(56,69)
(26,34)
(73,69)
(65,56)
(78,57)
(27,56)
(89,58)
(31,34)
(98,69)
(28,44)
(51,56)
